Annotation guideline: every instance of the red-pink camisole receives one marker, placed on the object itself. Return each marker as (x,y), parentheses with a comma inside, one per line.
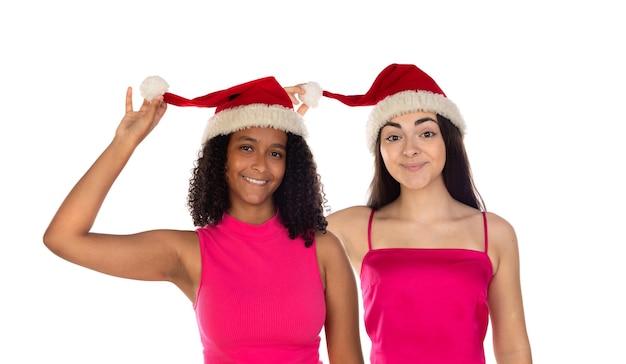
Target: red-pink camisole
(426,306)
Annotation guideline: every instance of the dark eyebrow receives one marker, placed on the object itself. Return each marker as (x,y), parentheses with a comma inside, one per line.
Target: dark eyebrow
(423,120)
(391,123)
(417,122)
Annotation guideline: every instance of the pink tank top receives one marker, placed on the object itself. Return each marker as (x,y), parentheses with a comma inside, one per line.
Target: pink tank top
(261,298)
(426,306)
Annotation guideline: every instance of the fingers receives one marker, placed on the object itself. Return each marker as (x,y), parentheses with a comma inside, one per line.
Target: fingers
(302,109)
(152,107)
(147,105)
(155,111)
(161,106)
(160,111)
(129,100)
(293,91)
(137,124)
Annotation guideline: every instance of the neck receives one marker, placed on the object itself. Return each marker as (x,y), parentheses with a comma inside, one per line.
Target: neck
(424,204)
(253,214)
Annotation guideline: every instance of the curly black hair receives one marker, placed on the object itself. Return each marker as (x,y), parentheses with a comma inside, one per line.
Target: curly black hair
(300,198)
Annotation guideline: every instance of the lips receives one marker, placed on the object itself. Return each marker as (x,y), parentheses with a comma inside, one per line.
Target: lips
(413,166)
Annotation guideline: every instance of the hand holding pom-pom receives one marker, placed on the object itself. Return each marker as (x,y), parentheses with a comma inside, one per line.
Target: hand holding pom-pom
(313,94)
(152,87)
(306,95)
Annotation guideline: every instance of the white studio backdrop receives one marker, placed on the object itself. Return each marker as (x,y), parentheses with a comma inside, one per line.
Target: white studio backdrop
(540,83)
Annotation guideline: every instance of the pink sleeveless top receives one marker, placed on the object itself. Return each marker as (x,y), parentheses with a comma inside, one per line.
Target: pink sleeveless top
(261,298)
(426,306)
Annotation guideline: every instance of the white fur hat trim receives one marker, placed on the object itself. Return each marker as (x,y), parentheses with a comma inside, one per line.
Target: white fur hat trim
(254,115)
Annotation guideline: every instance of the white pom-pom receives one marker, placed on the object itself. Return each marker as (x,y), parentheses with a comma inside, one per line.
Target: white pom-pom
(152,87)
(313,94)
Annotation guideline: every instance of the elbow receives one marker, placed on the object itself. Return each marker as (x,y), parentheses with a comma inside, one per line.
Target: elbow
(52,241)
(63,240)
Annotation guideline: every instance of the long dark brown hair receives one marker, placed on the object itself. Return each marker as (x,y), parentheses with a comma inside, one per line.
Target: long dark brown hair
(457,174)
(300,199)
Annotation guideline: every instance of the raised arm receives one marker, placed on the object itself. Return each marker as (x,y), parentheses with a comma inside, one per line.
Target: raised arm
(153,255)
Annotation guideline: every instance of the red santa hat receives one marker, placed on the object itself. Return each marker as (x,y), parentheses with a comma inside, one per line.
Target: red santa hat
(259,103)
(401,89)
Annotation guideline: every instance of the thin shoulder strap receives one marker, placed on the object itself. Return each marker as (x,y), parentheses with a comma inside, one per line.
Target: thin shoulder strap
(485,229)
(369,230)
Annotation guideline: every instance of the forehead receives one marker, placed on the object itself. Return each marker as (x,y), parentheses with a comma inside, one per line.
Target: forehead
(414,116)
(260,134)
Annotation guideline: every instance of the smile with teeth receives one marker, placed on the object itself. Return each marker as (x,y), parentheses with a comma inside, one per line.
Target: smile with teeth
(255,181)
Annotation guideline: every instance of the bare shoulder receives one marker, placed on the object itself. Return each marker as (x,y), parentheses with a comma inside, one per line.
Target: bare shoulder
(500,230)
(328,246)
(346,222)
(350,226)
(503,246)
(188,242)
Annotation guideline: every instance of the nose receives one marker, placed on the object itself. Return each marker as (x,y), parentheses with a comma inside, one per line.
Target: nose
(411,149)
(258,164)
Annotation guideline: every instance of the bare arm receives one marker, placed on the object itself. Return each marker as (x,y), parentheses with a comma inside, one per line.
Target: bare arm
(350,226)
(342,318)
(153,255)
(510,338)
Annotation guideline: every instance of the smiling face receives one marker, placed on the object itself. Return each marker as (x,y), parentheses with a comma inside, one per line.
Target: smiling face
(255,166)
(413,149)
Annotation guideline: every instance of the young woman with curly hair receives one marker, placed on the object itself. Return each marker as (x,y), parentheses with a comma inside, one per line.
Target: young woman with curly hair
(262,273)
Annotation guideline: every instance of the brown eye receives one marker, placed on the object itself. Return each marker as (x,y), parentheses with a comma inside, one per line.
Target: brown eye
(276,154)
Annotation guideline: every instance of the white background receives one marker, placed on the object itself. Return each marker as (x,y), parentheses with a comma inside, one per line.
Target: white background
(540,83)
